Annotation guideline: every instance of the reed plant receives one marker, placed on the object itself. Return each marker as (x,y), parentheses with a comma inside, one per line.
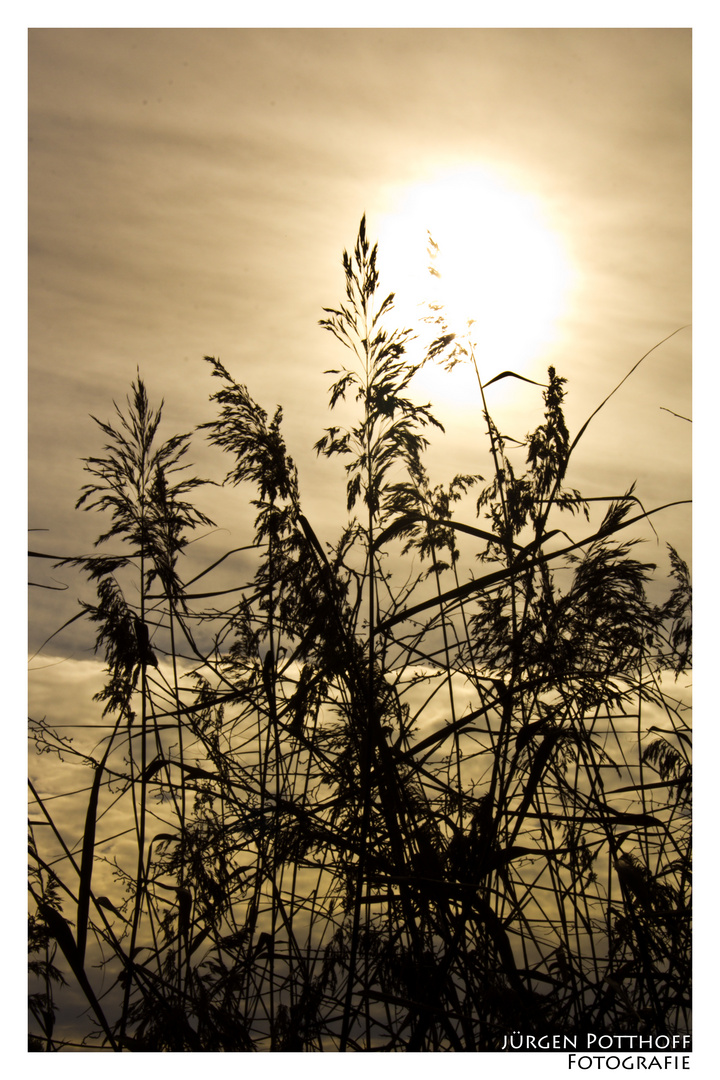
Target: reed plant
(370,807)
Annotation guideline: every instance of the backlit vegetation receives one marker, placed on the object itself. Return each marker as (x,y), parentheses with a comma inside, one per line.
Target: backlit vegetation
(410,790)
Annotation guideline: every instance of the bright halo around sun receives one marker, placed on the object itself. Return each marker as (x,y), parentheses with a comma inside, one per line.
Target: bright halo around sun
(501,272)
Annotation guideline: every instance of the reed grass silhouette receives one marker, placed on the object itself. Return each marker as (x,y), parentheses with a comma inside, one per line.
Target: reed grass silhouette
(412,789)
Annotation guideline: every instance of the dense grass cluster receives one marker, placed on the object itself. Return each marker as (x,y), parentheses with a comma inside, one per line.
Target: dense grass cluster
(376,802)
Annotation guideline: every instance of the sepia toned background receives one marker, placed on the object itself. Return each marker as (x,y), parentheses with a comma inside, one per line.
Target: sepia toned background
(190,194)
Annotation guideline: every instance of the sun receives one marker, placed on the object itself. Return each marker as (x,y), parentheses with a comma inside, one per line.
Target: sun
(501,271)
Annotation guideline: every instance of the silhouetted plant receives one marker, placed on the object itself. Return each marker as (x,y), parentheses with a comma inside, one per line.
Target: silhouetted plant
(375,810)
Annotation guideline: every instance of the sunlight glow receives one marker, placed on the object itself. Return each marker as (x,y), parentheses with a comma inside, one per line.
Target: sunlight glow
(503,270)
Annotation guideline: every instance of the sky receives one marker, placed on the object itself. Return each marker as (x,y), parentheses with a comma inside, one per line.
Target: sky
(191,192)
